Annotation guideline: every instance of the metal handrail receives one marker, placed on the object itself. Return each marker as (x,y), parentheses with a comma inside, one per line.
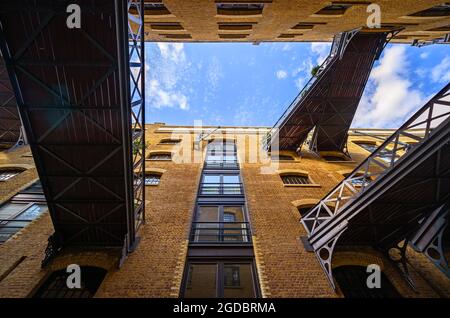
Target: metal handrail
(221,188)
(345,192)
(224,232)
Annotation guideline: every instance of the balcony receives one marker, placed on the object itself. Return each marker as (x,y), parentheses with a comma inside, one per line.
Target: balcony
(216,189)
(220,232)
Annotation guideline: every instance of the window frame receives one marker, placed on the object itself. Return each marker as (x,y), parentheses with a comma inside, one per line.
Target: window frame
(298,175)
(220,279)
(169,155)
(158,177)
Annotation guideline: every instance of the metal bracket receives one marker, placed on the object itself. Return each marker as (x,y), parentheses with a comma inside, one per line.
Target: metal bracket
(397,255)
(348,36)
(429,239)
(324,255)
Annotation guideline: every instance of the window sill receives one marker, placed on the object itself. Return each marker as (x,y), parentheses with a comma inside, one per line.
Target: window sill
(341,161)
(152,185)
(158,160)
(310,185)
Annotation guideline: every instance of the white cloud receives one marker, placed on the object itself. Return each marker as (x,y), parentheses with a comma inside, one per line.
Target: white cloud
(389,98)
(321,50)
(166,71)
(424,55)
(281,74)
(172,51)
(441,72)
(162,98)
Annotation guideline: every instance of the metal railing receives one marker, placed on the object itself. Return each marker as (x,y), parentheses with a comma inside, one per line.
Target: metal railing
(220,232)
(222,164)
(432,116)
(221,189)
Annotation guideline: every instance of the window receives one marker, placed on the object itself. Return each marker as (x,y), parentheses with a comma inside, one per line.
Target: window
(170,141)
(56,287)
(334,9)
(8,174)
(442,10)
(352,282)
(220,224)
(235,26)
(155,8)
(152,179)
(221,184)
(163,26)
(240,8)
(211,279)
(233,36)
(221,154)
(20,210)
(304,210)
(160,156)
(295,179)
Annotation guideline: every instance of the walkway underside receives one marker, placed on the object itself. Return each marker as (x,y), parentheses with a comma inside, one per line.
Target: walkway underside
(9,115)
(399,190)
(330,102)
(73,92)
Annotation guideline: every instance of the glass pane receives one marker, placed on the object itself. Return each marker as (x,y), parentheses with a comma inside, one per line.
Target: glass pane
(9,209)
(208,228)
(211,178)
(201,281)
(238,281)
(236,230)
(231,179)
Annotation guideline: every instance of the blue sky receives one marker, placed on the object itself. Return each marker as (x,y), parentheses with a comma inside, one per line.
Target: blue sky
(251,85)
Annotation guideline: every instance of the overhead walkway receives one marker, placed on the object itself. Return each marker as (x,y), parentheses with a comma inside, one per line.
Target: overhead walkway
(10,126)
(80,94)
(386,199)
(329,100)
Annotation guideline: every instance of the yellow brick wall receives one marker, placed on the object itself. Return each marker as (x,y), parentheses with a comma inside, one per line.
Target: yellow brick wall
(155,268)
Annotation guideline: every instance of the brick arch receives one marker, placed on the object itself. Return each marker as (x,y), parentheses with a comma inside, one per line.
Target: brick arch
(293,171)
(102,259)
(157,171)
(366,256)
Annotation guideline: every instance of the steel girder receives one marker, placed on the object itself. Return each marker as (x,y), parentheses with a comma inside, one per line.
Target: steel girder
(398,191)
(80,95)
(329,100)
(10,125)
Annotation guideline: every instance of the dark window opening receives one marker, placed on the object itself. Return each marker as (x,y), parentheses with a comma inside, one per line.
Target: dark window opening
(295,179)
(304,210)
(445,28)
(233,36)
(56,284)
(352,281)
(160,157)
(152,179)
(166,26)
(176,36)
(235,26)
(240,8)
(170,141)
(442,10)
(334,9)
(212,279)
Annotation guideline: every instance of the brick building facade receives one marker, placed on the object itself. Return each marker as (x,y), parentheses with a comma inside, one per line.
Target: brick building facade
(274,194)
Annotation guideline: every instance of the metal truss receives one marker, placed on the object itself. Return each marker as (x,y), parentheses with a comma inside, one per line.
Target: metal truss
(80,95)
(329,100)
(10,124)
(326,222)
(429,238)
(136,54)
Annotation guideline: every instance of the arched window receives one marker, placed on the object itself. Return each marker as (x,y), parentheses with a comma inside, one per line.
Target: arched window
(152,179)
(56,284)
(352,281)
(160,156)
(290,179)
(304,210)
